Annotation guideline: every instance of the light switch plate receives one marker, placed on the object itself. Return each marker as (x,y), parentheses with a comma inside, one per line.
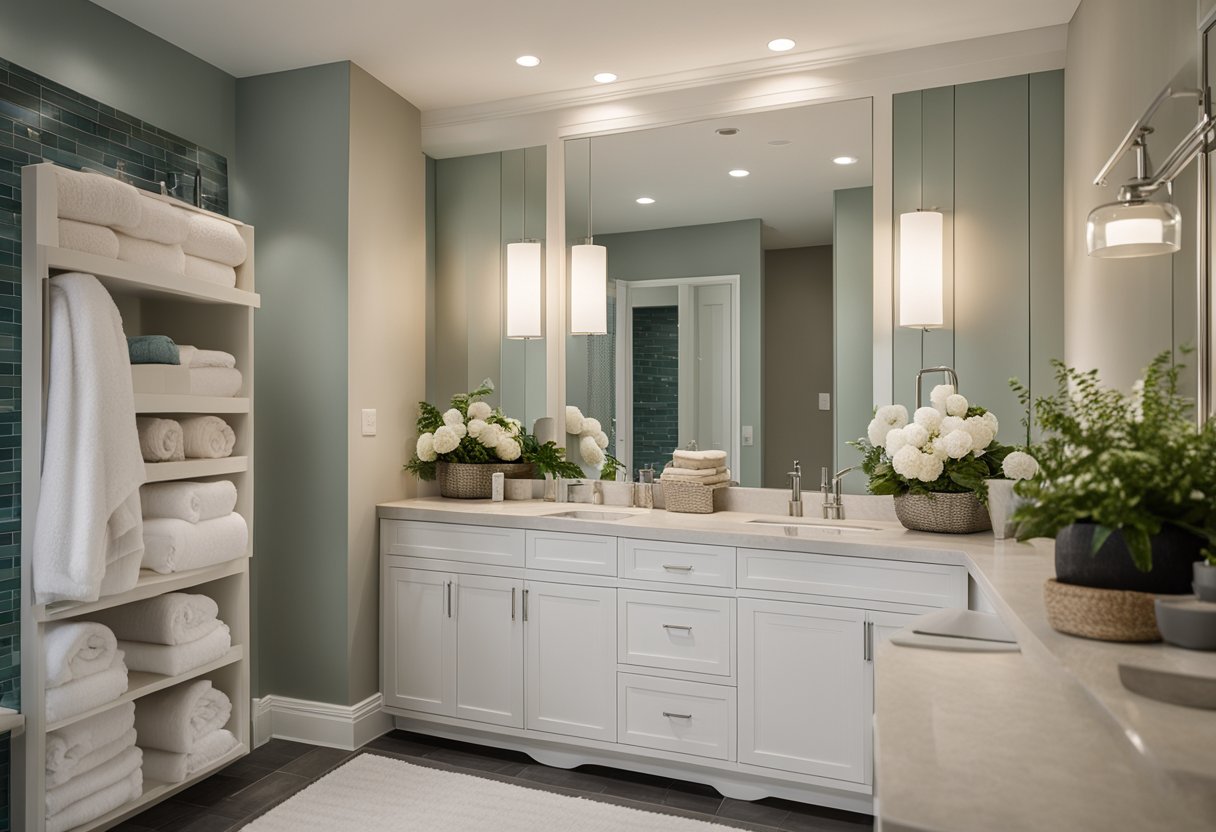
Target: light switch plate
(369,422)
(825,401)
(748,439)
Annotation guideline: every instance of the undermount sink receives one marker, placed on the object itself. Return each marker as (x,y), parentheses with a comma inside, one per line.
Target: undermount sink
(590,515)
(817,525)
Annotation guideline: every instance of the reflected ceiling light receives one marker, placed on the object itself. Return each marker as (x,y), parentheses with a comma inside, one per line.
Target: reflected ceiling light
(780,142)
(525,281)
(604,77)
(588,279)
(781,45)
(727,131)
(739,173)
(528,60)
(645,200)
(845,160)
(920,270)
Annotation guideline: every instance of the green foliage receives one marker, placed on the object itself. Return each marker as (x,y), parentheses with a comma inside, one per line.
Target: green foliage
(958,475)
(549,458)
(610,468)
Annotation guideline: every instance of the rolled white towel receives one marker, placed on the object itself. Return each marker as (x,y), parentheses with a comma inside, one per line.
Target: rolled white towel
(97,804)
(189,501)
(91,782)
(207,437)
(147,253)
(75,649)
(197,359)
(96,198)
(175,659)
(89,238)
(176,545)
(201,268)
(160,440)
(68,748)
(92,761)
(215,381)
(174,720)
(215,239)
(168,767)
(172,618)
(699,459)
(88,693)
(675,471)
(159,222)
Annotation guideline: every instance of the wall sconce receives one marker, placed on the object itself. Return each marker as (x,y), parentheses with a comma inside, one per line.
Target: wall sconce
(525,281)
(920,270)
(588,279)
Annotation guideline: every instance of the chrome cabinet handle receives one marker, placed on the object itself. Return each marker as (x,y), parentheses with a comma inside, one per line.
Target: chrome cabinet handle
(512,603)
(675,567)
(670,715)
(525,605)
(683,627)
(449,589)
(867,644)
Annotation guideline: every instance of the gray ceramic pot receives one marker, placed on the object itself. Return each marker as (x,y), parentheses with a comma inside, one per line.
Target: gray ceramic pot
(1205,581)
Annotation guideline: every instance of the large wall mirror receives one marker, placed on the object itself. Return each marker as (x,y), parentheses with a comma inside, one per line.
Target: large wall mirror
(740,300)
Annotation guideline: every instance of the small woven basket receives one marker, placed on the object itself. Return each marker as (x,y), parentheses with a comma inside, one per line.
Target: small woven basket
(690,497)
(1103,614)
(942,513)
(468,481)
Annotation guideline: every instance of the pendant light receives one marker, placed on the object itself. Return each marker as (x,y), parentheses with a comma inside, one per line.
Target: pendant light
(525,285)
(588,279)
(920,270)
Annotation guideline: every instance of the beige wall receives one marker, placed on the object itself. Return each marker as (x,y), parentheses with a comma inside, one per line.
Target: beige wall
(387,338)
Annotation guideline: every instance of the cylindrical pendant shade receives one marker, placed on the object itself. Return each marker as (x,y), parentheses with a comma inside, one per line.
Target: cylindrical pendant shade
(920,270)
(525,290)
(1136,229)
(588,290)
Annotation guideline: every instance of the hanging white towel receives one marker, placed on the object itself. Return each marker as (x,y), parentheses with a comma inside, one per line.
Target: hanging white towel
(98,803)
(215,381)
(168,767)
(167,258)
(88,693)
(189,501)
(202,269)
(197,359)
(215,239)
(96,198)
(175,659)
(68,749)
(88,508)
(207,437)
(176,719)
(159,222)
(160,440)
(172,618)
(89,238)
(92,782)
(177,545)
(75,649)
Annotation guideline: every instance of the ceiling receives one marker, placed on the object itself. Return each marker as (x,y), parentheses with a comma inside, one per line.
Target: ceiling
(442,54)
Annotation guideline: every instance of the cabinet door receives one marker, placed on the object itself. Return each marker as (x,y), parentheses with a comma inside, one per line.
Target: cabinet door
(418,666)
(489,635)
(882,625)
(802,703)
(571,661)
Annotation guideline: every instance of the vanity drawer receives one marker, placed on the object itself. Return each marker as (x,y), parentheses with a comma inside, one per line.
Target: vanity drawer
(677,563)
(452,541)
(672,715)
(677,632)
(905,582)
(589,554)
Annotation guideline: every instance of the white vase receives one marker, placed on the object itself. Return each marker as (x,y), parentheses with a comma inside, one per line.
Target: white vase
(1002,502)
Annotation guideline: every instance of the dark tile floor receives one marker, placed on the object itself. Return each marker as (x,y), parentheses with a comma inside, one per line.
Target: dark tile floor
(228,800)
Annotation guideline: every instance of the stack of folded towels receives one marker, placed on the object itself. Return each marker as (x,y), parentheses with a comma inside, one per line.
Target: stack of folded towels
(700,467)
(84,668)
(101,215)
(212,372)
(197,437)
(189,525)
(92,767)
(170,634)
(181,730)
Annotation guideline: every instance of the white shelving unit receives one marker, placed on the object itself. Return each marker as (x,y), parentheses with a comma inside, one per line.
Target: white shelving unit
(191,312)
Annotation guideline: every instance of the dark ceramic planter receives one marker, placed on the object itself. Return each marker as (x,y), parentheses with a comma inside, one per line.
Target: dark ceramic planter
(1205,581)
(1112,567)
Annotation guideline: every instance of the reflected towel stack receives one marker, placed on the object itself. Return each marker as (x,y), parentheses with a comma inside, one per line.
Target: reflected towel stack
(700,467)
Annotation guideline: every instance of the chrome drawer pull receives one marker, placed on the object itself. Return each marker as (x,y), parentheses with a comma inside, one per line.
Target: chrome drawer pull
(683,627)
(673,567)
(670,715)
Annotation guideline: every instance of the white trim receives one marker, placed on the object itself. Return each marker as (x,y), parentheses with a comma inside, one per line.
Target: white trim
(320,723)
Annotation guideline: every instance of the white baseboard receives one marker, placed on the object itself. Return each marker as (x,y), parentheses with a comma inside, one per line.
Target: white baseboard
(319,723)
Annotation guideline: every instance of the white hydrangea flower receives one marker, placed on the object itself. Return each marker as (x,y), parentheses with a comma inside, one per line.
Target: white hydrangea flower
(929,418)
(906,462)
(426,447)
(490,435)
(993,422)
(508,449)
(452,417)
(476,426)
(957,443)
(515,427)
(591,453)
(480,410)
(446,440)
(1020,465)
(601,440)
(981,433)
(896,439)
(460,430)
(950,424)
(574,419)
(938,397)
(894,415)
(938,448)
(591,426)
(877,432)
(956,405)
(929,468)
(1137,400)
(916,435)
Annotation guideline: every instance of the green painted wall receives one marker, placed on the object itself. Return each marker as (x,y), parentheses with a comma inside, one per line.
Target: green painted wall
(853,278)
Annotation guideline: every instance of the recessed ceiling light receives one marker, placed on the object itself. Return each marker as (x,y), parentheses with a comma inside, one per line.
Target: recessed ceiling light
(845,160)
(645,200)
(528,60)
(604,77)
(739,173)
(727,131)
(780,142)
(781,45)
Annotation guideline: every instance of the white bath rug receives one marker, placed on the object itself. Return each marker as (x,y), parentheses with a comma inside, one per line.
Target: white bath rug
(381,794)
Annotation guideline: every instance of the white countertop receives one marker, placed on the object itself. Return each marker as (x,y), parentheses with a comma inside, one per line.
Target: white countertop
(1043,739)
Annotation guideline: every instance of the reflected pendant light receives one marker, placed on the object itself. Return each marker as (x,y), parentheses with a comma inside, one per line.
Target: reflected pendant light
(525,284)
(1133,228)
(588,279)
(920,270)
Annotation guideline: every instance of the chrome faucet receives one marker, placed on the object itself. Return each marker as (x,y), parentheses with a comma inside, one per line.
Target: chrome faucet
(833,505)
(566,484)
(796,490)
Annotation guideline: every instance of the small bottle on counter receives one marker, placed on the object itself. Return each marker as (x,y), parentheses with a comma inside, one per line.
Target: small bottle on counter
(643,489)
(498,485)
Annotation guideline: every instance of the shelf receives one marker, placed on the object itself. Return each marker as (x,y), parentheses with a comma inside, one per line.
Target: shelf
(141,684)
(143,281)
(10,720)
(191,468)
(171,403)
(150,584)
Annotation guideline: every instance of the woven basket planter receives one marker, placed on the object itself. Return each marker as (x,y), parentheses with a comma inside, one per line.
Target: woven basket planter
(1103,614)
(942,513)
(466,481)
(690,497)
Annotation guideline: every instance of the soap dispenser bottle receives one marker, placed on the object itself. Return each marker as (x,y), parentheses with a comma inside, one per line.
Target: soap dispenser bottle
(643,489)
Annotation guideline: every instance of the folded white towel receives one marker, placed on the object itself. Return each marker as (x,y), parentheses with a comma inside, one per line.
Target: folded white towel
(97,804)
(75,649)
(716,479)
(215,239)
(148,253)
(89,762)
(96,198)
(88,693)
(195,358)
(172,618)
(215,381)
(202,269)
(699,459)
(189,501)
(91,782)
(123,573)
(168,767)
(172,545)
(174,659)
(207,437)
(88,509)
(159,222)
(160,440)
(674,471)
(89,238)
(176,719)
(68,748)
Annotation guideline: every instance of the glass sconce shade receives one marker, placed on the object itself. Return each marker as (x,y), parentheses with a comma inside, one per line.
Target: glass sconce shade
(525,290)
(588,290)
(920,270)
(1133,229)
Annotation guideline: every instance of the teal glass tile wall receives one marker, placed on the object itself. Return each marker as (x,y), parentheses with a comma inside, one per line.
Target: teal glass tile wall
(44,121)
(656,371)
